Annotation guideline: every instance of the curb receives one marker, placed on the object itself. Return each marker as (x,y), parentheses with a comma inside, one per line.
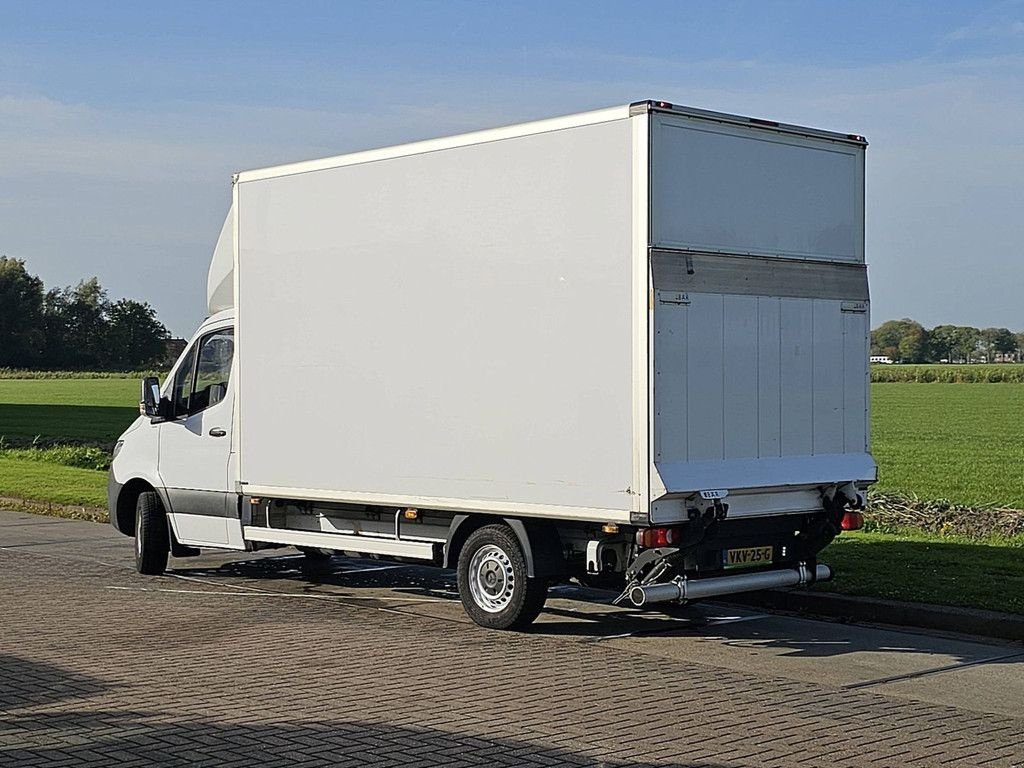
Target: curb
(53,509)
(964,621)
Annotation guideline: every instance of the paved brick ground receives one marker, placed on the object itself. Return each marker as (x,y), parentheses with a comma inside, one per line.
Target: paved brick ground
(99,667)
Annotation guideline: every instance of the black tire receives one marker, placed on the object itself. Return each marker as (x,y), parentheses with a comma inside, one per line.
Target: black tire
(152,540)
(493,585)
(316,554)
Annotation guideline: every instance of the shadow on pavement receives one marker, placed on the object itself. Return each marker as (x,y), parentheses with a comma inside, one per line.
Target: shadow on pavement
(575,611)
(25,683)
(117,737)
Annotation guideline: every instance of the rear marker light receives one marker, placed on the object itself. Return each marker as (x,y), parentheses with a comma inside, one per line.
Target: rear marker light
(649,538)
(852,521)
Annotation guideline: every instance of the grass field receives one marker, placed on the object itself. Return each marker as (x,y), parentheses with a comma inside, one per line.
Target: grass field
(87,410)
(21,478)
(961,442)
(928,569)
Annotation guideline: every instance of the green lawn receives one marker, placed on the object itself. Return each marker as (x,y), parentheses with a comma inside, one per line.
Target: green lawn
(91,411)
(80,410)
(961,442)
(928,569)
(122,393)
(42,481)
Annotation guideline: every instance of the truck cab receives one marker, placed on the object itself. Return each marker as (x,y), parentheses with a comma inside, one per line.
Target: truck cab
(180,449)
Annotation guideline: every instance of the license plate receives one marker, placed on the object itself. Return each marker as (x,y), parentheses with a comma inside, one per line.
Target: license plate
(747,557)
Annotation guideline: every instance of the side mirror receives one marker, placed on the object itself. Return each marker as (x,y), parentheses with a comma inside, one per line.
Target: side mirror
(150,403)
(217,392)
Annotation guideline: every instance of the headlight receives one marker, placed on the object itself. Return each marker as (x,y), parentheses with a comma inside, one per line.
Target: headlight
(117,448)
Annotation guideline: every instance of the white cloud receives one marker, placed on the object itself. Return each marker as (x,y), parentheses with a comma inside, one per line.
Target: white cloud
(1003,30)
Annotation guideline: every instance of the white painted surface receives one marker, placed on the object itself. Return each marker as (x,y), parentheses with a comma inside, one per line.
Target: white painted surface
(340,542)
(564,122)
(766,473)
(205,530)
(641,316)
(720,187)
(220,281)
(755,391)
(452,325)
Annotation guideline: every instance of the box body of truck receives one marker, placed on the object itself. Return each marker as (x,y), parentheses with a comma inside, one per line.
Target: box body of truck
(644,318)
(589,317)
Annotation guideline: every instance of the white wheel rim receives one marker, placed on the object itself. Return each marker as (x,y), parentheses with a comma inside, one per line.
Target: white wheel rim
(491,578)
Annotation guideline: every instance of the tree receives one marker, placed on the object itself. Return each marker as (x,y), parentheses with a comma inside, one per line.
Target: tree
(905,340)
(998,341)
(966,344)
(913,347)
(135,338)
(942,339)
(21,311)
(76,325)
(1020,346)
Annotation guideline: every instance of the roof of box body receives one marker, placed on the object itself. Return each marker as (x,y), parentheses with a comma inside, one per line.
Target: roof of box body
(535,127)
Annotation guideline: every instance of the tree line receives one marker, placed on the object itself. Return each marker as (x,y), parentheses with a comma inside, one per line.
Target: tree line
(73,328)
(907,341)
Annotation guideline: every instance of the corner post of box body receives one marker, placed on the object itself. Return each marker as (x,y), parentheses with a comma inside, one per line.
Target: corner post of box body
(641,485)
(236,425)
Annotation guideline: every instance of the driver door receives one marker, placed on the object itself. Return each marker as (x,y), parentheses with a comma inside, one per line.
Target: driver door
(195,445)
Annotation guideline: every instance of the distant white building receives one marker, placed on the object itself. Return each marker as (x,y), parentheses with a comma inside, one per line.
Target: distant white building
(883,359)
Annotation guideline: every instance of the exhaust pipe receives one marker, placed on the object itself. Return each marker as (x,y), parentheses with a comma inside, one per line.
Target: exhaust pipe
(681,588)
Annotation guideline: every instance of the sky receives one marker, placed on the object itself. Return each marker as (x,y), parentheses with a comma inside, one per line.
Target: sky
(121,123)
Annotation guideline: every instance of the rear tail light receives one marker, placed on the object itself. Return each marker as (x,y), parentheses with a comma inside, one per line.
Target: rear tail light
(648,538)
(852,521)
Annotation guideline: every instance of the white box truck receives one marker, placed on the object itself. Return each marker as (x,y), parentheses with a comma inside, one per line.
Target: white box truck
(628,345)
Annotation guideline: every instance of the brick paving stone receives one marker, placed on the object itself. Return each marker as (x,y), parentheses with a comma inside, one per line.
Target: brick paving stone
(91,674)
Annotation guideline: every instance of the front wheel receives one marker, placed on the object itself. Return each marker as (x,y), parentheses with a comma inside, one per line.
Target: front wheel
(152,541)
(493,584)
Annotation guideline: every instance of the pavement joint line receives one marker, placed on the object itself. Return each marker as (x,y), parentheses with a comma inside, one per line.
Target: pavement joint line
(933,671)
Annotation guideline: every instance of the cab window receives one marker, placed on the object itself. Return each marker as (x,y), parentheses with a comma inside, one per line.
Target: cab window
(182,387)
(202,379)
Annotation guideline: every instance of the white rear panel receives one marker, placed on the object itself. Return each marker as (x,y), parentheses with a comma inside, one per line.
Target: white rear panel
(759,392)
(448,325)
(760,353)
(725,188)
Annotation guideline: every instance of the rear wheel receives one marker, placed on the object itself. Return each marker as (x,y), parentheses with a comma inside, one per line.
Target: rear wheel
(152,541)
(493,584)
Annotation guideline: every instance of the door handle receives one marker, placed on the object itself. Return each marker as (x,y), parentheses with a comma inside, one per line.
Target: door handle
(217,432)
